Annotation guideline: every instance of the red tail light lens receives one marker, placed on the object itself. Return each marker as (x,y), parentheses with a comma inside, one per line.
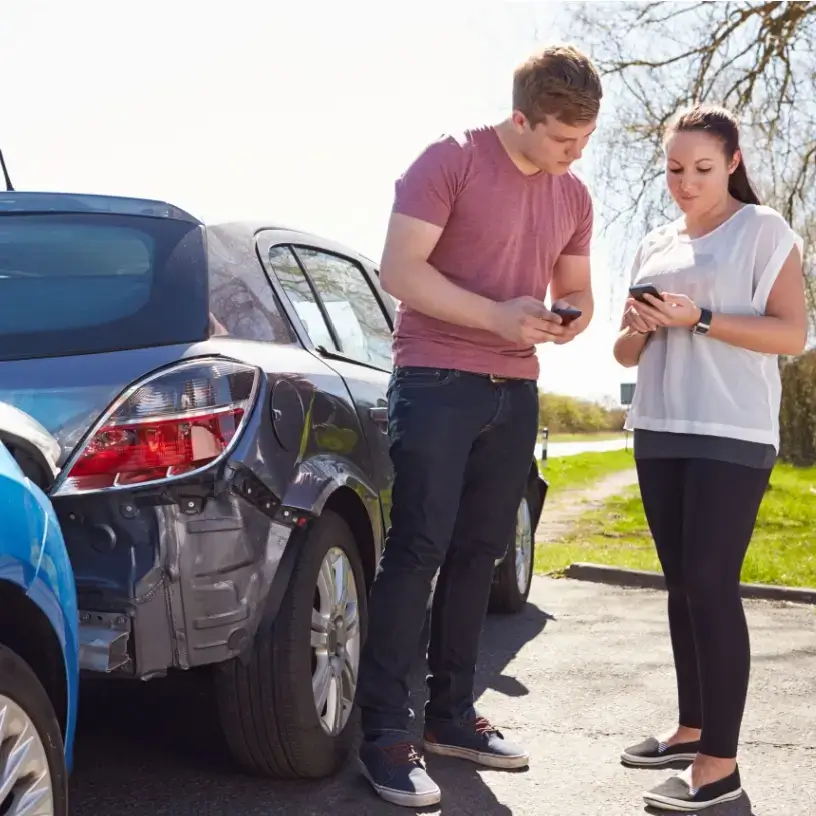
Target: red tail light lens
(170,425)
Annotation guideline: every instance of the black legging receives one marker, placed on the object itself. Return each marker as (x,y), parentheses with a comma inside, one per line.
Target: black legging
(701,514)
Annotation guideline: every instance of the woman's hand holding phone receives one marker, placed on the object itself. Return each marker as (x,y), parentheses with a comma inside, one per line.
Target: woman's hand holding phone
(637,319)
(638,316)
(648,309)
(674,311)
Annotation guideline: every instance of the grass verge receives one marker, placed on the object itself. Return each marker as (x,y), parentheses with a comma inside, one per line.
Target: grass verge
(583,469)
(782,552)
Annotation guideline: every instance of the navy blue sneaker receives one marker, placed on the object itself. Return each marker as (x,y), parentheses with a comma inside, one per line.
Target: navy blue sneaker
(396,771)
(474,739)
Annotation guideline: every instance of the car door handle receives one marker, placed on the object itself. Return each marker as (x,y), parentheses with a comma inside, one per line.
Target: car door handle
(379,415)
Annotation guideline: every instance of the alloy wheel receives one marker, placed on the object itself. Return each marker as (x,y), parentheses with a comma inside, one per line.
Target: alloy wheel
(335,641)
(524,546)
(25,778)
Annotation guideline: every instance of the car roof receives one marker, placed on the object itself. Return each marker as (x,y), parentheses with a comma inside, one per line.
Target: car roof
(45,202)
(48,202)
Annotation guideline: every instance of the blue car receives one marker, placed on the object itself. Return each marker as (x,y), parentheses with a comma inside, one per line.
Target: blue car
(39,657)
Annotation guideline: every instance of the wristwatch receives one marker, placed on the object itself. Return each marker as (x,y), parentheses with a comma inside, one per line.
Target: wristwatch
(703,324)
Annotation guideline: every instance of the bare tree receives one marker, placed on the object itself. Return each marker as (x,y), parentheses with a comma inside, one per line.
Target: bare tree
(756,58)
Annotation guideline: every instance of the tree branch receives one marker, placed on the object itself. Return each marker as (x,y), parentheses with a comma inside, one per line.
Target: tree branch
(758,59)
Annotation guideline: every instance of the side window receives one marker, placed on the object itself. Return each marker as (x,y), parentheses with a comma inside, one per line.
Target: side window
(353,309)
(389,299)
(392,302)
(292,280)
(243,304)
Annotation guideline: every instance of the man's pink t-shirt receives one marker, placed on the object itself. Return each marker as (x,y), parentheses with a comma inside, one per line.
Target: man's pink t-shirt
(503,233)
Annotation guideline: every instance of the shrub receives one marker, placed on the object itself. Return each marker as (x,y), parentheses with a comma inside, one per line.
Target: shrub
(563,414)
(797,416)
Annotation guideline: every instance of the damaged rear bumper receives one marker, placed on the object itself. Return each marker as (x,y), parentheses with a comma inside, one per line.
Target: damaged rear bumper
(177,584)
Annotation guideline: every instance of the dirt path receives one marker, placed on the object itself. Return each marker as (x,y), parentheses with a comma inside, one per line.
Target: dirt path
(562,510)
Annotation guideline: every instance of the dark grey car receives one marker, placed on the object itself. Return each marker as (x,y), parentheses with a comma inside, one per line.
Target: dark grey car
(218,396)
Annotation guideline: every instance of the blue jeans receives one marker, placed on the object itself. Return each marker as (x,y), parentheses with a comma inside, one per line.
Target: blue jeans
(462,447)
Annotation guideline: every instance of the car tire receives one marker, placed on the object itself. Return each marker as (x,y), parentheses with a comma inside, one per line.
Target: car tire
(23,696)
(510,590)
(266,703)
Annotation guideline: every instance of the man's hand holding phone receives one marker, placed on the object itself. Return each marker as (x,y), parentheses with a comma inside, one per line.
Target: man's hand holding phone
(568,314)
(527,322)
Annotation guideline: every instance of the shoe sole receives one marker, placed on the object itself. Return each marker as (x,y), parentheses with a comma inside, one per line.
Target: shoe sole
(397,797)
(655,762)
(503,763)
(678,806)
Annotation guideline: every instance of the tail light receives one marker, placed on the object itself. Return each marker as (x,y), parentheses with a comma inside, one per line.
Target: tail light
(167,426)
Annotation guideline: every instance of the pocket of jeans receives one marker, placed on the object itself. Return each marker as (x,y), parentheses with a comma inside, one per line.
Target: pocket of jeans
(421,377)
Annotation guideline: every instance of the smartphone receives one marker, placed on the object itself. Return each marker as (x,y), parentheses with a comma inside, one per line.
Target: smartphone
(566,313)
(640,289)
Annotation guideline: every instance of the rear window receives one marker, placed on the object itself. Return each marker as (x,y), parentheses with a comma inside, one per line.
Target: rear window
(78,284)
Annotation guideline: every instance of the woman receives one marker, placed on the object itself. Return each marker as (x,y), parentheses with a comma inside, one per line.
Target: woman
(706,430)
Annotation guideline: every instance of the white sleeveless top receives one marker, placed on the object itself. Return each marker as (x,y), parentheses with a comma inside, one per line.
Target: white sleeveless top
(695,384)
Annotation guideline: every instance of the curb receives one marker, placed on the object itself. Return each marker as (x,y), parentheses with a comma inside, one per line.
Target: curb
(641,579)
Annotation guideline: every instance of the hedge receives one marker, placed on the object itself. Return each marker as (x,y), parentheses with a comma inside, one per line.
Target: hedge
(797,417)
(563,414)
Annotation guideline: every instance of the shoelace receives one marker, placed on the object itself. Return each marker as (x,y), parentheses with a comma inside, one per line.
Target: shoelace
(402,753)
(483,727)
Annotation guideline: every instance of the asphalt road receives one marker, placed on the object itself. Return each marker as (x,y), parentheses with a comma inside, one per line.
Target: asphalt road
(557,449)
(584,671)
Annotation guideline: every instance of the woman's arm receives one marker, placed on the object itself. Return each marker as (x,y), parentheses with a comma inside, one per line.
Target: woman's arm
(783,327)
(781,330)
(629,346)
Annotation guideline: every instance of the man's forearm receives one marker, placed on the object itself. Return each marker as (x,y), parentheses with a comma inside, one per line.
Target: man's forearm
(420,286)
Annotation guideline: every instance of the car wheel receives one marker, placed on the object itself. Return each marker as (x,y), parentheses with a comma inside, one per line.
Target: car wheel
(33,776)
(288,711)
(513,576)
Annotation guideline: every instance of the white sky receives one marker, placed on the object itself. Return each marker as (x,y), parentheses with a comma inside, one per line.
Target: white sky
(302,113)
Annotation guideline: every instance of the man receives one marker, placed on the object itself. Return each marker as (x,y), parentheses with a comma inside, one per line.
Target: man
(482,226)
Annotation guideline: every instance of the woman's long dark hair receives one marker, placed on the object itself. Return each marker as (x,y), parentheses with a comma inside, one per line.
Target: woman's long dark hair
(720,123)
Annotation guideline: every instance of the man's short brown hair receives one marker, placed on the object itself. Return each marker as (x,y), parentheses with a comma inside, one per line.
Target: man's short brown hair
(559,81)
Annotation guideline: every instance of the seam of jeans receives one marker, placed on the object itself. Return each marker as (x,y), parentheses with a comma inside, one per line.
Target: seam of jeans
(496,414)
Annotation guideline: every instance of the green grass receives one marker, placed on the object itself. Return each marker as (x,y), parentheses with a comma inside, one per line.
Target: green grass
(601,436)
(783,549)
(579,471)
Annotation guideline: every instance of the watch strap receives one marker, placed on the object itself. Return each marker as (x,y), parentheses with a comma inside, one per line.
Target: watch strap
(704,323)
